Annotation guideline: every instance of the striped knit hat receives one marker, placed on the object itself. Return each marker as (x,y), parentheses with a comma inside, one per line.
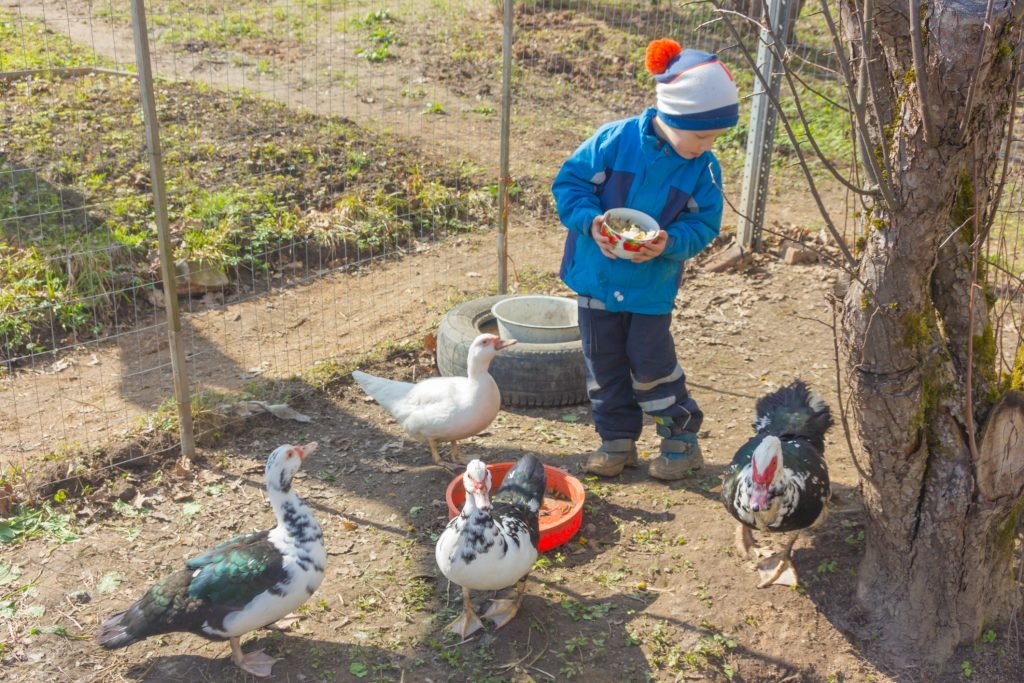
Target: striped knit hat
(695,91)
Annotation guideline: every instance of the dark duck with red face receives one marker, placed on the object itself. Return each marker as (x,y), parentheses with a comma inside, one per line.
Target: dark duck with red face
(492,543)
(778,480)
(240,585)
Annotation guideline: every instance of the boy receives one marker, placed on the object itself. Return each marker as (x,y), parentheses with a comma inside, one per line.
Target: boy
(659,162)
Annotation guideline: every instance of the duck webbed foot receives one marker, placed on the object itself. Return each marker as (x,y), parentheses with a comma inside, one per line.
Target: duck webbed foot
(502,611)
(778,569)
(744,540)
(456,455)
(467,622)
(435,454)
(257,663)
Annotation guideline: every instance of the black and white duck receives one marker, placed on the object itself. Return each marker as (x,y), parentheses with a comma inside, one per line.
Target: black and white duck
(240,585)
(440,409)
(492,543)
(778,480)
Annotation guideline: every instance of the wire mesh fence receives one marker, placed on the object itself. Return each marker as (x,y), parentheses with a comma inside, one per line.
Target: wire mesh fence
(308,145)
(296,151)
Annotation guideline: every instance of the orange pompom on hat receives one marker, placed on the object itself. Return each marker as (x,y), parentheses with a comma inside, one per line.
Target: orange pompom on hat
(659,53)
(694,89)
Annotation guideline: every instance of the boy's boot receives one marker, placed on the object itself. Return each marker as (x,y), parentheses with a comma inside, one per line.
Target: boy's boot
(611,456)
(680,452)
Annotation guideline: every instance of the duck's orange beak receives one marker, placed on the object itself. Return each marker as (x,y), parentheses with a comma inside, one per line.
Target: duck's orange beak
(303,451)
(502,343)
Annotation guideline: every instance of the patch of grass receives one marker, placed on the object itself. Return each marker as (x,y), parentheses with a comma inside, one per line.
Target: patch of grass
(648,537)
(580,612)
(77,210)
(530,281)
(613,578)
(416,596)
(210,416)
(709,654)
(37,522)
(827,567)
(380,36)
(30,45)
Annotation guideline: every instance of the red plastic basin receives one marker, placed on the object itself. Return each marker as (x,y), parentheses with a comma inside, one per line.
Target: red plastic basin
(559,517)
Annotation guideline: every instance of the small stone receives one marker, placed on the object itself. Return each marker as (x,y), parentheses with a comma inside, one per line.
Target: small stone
(733,257)
(794,253)
(79,597)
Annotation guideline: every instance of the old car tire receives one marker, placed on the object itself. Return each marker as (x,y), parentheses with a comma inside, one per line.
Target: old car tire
(529,375)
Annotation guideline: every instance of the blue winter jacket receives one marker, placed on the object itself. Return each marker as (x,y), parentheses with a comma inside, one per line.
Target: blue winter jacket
(624,164)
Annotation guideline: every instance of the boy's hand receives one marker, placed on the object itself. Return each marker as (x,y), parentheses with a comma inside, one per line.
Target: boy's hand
(652,249)
(603,243)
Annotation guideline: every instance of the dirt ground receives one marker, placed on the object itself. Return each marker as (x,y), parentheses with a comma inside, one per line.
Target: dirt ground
(650,589)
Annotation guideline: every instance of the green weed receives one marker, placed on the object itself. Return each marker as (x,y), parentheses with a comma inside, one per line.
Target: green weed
(42,521)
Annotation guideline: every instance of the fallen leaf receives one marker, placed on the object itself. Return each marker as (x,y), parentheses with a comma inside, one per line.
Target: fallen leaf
(109,582)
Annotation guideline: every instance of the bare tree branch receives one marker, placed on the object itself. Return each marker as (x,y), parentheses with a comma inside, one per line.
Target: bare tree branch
(843,417)
(812,186)
(1001,184)
(781,55)
(971,89)
(857,104)
(920,75)
(867,83)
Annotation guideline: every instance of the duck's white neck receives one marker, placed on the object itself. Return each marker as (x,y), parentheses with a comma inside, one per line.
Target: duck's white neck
(294,518)
(478,365)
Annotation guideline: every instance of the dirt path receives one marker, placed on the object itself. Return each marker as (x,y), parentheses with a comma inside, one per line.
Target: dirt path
(322,76)
(651,588)
(91,397)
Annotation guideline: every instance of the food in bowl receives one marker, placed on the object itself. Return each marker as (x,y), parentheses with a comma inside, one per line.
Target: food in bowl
(630,230)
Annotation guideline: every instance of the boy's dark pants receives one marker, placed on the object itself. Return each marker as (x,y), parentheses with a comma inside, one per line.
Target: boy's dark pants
(631,370)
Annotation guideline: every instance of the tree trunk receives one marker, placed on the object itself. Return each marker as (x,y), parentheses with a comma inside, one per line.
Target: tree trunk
(942,510)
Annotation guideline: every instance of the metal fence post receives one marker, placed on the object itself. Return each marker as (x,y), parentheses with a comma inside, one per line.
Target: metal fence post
(504,181)
(167,270)
(760,138)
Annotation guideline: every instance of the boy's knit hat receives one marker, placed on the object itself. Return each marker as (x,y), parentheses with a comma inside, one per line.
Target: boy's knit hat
(695,91)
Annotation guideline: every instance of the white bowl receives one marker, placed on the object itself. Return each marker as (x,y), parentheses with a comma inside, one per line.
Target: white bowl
(626,247)
(535,319)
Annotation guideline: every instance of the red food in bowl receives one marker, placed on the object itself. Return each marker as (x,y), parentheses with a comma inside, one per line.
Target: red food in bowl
(624,246)
(560,516)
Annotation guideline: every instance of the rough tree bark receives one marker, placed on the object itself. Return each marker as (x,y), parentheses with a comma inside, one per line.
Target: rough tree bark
(942,509)
(943,489)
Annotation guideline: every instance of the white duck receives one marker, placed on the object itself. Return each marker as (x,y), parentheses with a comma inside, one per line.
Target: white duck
(443,408)
(493,546)
(243,584)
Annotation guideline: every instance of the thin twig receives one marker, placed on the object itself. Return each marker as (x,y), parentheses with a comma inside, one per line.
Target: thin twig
(956,230)
(1001,185)
(787,73)
(859,115)
(829,224)
(869,36)
(986,28)
(844,420)
(972,440)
